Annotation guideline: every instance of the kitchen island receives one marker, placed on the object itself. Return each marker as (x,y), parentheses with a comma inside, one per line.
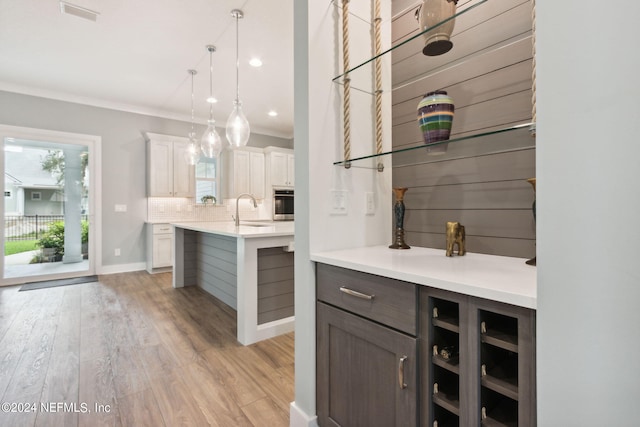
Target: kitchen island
(248,267)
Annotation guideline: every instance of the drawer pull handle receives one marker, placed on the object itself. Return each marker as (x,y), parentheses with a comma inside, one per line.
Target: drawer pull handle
(401,382)
(356,293)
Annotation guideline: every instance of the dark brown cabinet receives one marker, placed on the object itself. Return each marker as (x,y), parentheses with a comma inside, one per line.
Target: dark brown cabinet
(366,370)
(477,361)
(392,353)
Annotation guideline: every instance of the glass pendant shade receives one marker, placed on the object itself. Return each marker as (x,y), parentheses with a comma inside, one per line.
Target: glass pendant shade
(211,143)
(192,153)
(238,129)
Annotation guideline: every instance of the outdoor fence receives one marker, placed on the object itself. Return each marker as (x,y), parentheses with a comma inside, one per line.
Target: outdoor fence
(29,227)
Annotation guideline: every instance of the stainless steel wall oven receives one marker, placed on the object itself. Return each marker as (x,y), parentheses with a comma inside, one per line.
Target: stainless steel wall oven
(283,204)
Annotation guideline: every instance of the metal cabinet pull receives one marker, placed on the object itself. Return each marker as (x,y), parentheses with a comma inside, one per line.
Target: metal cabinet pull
(356,293)
(401,382)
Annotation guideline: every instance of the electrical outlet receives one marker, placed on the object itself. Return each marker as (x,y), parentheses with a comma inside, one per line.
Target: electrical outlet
(121,208)
(339,202)
(369,203)
(116,252)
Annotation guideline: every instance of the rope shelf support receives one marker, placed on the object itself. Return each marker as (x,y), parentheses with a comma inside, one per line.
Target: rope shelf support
(347,85)
(532,130)
(377,20)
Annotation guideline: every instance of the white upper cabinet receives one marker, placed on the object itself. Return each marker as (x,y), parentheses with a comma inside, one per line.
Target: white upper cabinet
(280,169)
(244,172)
(168,174)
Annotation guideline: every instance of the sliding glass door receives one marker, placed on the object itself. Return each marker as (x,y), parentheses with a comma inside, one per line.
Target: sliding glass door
(49,209)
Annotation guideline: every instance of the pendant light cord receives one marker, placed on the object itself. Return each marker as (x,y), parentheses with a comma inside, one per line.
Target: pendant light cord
(192,72)
(210,83)
(237,59)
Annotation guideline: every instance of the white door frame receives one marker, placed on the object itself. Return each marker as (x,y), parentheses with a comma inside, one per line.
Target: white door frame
(94,145)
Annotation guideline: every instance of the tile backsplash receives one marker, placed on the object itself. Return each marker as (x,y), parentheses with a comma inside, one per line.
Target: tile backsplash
(172,209)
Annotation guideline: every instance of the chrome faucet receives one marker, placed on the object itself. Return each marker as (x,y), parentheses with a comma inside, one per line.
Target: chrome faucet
(255,205)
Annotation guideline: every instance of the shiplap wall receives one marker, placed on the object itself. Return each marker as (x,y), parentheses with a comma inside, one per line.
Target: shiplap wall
(488,75)
(190,257)
(275,284)
(217,271)
(216,259)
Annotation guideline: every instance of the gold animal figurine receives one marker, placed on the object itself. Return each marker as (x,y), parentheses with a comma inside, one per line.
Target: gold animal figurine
(455,234)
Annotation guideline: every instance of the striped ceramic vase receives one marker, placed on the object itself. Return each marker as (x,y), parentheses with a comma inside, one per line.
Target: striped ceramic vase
(435,117)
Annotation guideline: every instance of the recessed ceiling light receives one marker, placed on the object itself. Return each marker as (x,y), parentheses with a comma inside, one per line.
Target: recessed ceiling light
(255,62)
(211,100)
(80,12)
(273,113)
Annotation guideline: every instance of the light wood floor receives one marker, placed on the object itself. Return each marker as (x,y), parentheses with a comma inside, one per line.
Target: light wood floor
(147,354)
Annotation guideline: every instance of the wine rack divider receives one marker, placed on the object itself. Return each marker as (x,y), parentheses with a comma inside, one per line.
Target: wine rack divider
(500,394)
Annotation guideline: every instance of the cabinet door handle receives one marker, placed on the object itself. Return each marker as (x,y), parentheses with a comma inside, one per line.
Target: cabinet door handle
(401,382)
(356,293)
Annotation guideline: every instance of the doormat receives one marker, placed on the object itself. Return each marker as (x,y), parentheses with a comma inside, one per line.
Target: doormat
(62,282)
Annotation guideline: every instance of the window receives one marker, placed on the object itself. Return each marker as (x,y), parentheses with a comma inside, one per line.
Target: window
(36,195)
(207,179)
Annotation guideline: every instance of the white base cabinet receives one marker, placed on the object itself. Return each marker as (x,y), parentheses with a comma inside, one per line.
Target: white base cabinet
(159,247)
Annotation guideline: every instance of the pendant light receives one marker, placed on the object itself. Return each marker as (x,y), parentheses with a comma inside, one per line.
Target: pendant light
(238,129)
(192,154)
(211,143)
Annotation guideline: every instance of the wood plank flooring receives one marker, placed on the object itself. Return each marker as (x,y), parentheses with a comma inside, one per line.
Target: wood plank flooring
(132,351)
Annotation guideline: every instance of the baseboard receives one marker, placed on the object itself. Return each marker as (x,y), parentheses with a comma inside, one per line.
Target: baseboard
(299,418)
(122,268)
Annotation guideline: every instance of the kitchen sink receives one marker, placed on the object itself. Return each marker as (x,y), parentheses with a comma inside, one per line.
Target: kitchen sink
(256,224)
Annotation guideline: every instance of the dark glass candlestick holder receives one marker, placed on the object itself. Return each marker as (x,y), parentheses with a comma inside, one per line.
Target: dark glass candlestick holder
(532,181)
(398,211)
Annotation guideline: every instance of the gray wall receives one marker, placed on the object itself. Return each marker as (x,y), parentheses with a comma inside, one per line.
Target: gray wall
(488,75)
(588,209)
(123,159)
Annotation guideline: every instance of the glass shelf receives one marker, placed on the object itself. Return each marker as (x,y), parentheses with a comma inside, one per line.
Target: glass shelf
(495,141)
(415,39)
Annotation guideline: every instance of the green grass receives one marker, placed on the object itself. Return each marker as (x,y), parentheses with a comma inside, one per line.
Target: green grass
(18,246)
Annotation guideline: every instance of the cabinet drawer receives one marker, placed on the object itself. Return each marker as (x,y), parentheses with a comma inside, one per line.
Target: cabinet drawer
(162,229)
(387,301)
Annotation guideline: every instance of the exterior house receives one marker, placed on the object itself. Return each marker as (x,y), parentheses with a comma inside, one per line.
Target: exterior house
(28,189)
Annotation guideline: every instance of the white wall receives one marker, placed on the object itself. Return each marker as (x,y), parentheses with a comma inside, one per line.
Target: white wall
(588,207)
(318,136)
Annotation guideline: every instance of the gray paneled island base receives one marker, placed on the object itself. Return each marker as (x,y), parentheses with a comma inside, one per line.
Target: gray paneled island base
(248,267)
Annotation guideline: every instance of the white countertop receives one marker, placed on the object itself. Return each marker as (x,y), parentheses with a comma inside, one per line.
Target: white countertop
(246,230)
(496,278)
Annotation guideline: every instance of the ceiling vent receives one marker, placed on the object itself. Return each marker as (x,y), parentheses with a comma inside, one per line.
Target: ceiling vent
(80,12)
